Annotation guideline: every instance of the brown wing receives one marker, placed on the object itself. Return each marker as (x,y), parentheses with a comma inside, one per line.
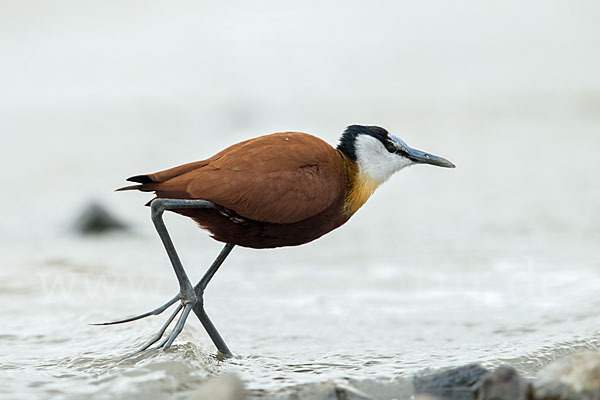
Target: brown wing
(279,178)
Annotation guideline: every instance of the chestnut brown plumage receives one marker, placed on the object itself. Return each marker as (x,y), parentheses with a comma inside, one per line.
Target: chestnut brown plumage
(283,189)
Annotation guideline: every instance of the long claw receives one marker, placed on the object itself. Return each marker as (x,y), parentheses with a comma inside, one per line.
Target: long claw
(179,326)
(156,311)
(161,332)
(162,343)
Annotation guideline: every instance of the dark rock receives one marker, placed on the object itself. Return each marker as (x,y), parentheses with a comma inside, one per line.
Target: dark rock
(96,219)
(451,384)
(504,383)
(576,377)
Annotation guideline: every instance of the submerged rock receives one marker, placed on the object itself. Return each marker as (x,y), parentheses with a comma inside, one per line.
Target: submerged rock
(451,384)
(337,391)
(318,391)
(400,388)
(224,387)
(576,377)
(427,397)
(504,383)
(96,219)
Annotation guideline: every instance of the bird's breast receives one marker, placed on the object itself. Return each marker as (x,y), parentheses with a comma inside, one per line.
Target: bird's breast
(359,188)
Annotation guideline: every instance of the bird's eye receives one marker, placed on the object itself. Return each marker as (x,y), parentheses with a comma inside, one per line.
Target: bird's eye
(391,147)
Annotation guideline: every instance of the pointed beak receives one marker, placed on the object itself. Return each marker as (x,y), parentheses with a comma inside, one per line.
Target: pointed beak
(421,157)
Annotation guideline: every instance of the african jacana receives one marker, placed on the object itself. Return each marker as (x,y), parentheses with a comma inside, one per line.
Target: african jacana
(283,189)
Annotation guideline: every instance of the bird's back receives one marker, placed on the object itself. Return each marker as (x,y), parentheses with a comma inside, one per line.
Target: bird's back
(271,191)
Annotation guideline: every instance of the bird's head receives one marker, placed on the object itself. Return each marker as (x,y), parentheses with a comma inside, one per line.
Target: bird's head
(378,154)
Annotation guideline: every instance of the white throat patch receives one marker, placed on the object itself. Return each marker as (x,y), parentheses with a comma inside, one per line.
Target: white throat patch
(375,161)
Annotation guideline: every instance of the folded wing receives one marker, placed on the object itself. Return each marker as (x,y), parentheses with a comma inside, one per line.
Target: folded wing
(280,178)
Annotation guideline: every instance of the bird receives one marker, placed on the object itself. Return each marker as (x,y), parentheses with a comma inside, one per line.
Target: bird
(277,190)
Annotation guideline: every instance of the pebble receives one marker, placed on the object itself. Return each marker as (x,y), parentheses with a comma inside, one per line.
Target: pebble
(329,390)
(504,383)
(454,384)
(576,377)
(224,387)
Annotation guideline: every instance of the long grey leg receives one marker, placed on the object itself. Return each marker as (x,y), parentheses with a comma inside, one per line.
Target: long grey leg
(199,306)
(211,330)
(194,301)
(191,297)
(213,268)
(158,206)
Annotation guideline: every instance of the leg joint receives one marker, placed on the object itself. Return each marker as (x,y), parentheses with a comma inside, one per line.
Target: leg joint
(199,290)
(157,208)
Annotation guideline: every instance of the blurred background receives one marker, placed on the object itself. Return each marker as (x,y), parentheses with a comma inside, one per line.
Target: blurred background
(495,261)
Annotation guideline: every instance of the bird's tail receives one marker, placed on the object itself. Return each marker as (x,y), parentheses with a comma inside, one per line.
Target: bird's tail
(160,180)
(143,184)
(163,183)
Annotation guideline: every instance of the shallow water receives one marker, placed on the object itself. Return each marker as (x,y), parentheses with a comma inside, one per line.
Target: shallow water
(494,262)
(287,325)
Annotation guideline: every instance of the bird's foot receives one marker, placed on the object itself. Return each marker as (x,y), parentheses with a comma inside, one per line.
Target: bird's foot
(188,299)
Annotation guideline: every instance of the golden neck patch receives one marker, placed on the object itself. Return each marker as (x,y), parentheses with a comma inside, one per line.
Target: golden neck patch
(360,187)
